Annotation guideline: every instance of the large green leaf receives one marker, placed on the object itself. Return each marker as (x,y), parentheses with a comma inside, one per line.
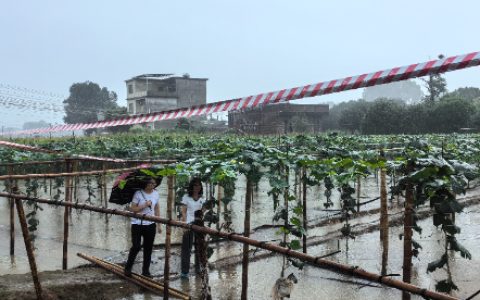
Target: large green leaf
(455,245)
(295,245)
(437,264)
(445,286)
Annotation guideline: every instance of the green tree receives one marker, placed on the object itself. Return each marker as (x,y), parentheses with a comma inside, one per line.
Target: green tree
(466,93)
(86,100)
(475,119)
(332,121)
(351,118)
(415,119)
(450,114)
(384,116)
(436,86)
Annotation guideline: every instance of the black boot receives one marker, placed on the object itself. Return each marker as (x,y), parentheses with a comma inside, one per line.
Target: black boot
(128,266)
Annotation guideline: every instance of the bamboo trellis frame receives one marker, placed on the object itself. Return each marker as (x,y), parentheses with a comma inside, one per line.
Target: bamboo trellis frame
(316,261)
(48,162)
(86,158)
(71,174)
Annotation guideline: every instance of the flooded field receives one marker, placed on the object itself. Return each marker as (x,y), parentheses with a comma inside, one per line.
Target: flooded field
(108,237)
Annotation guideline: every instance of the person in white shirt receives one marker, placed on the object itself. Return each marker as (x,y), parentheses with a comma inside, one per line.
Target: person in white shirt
(191,202)
(145,201)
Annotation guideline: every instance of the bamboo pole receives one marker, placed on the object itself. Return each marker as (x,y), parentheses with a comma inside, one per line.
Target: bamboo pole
(296,184)
(27,163)
(70,174)
(140,280)
(219,205)
(173,292)
(12,188)
(407,235)
(68,198)
(354,271)
(304,196)
(75,180)
(383,206)
(168,233)
(359,186)
(246,233)
(29,248)
(384,226)
(285,222)
(104,185)
(135,161)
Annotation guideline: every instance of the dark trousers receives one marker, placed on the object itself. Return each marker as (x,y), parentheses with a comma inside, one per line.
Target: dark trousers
(187,243)
(148,234)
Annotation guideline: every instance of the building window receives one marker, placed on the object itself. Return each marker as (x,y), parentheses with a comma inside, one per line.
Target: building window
(140,106)
(130,88)
(130,108)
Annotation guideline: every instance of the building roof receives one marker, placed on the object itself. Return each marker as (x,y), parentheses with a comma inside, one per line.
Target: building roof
(162,77)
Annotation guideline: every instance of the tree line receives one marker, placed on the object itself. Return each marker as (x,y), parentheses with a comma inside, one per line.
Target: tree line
(438,111)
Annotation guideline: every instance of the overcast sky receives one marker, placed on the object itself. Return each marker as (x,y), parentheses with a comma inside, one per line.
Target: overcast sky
(242,47)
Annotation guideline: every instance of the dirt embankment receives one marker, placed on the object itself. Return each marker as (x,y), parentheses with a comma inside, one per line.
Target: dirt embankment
(85,283)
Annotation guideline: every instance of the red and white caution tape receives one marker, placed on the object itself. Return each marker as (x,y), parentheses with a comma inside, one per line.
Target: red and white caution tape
(311,90)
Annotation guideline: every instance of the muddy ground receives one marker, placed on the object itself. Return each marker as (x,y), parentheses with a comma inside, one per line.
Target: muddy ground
(84,283)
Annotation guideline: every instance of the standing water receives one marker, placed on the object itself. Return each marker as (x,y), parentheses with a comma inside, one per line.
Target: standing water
(108,237)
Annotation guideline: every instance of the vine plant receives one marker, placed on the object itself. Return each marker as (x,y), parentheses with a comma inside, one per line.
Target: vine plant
(435,180)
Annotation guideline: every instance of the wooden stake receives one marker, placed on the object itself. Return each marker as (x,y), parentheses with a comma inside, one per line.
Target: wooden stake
(168,233)
(68,198)
(383,206)
(384,226)
(219,204)
(286,195)
(75,181)
(304,192)
(359,186)
(407,236)
(12,187)
(246,233)
(104,184)
(29,248)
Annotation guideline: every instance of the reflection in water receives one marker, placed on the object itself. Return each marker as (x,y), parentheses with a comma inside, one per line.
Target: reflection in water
(384,256)
(107,236)
(12,262)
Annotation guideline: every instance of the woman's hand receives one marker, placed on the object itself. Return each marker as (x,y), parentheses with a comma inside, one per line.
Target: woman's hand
(159,228)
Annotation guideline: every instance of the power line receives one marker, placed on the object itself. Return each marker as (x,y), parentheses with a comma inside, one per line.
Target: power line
(32,91)
(26,104)
(37,100)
